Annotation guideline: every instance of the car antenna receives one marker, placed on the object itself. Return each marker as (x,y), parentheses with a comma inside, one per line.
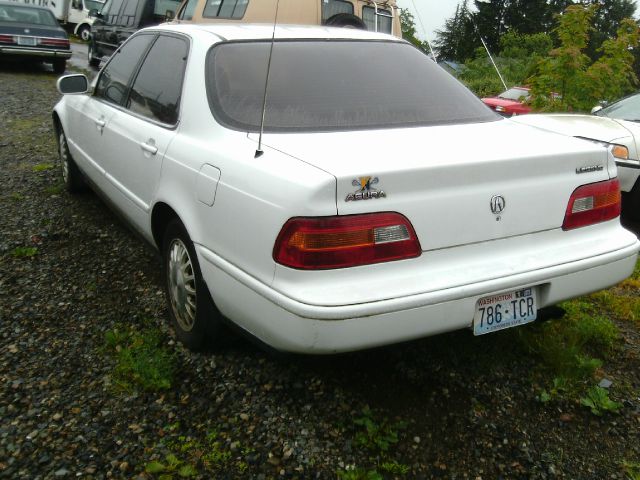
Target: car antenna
(424,32)
(259,151)
(489,53)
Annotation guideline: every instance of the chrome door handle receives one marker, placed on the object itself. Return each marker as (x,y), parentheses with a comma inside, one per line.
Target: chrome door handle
(100,123)
(152,149)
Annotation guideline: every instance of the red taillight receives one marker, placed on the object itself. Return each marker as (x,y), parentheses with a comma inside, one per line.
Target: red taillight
(6,39)
(317,243)
(593,203)
(54,42)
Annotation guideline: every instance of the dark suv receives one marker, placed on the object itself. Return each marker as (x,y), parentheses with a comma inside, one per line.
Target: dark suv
(119,19)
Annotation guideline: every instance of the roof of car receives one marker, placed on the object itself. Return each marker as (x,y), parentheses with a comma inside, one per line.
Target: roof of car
(247,31)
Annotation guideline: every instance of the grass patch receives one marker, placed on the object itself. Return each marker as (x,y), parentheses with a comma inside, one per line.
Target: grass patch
(41,167)
(631,470)
(625,307)
(24,252)
(54,189)
(142,361)
(568,346)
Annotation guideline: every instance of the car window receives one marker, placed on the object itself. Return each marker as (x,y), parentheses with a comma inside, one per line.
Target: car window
(156,90)
(334,85)
(114,79)
(225,8)
(19,14)
(626,109)
(187,12)
(334,7)
(384,19)
(517,94)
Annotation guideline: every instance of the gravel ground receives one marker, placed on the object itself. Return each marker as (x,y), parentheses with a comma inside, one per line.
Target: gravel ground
(460,407)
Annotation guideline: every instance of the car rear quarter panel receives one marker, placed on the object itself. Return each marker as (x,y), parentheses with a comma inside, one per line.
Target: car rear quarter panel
(254,196)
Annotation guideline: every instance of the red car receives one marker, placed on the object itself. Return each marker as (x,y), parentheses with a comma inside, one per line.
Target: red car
(511,102)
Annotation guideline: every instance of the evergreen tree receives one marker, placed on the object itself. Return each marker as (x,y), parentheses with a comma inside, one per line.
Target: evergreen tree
(457,40)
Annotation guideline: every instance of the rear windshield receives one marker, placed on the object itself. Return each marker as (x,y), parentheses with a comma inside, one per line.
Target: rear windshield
(18,14)
(334,85)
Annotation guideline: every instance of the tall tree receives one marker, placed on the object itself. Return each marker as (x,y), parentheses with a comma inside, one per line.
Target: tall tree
(457,40)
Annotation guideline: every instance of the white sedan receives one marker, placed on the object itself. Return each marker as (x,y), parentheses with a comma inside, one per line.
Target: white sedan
(617,127)
(384,202)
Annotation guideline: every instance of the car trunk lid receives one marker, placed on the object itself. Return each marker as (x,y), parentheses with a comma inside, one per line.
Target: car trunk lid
(457,184)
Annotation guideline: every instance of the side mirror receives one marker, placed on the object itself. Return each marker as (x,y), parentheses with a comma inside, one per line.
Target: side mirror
(77,4)
(72,84)
(596,109)
(169,15)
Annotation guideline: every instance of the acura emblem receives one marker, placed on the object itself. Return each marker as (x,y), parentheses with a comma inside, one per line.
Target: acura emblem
(497,204)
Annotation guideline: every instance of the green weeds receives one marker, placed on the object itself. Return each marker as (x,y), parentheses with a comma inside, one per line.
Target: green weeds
(24,252)
(631,470)
(188,455)
(598,401)
(142,361)
(377,436)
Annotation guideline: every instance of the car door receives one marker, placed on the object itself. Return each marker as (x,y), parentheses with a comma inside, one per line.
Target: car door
(140,133)
(90,138)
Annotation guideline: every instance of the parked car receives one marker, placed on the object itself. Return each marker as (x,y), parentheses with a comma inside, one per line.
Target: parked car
(119,19)
(30,33)
(617,128)
(350,223)
(376,16)
(510,102)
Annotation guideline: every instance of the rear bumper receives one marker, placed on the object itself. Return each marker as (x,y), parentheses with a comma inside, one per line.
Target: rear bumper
(35,52)
(292,325)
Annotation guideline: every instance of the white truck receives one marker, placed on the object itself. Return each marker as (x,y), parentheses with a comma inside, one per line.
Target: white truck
(72,14)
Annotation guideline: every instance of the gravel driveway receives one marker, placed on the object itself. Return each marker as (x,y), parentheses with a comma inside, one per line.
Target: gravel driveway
(451,406)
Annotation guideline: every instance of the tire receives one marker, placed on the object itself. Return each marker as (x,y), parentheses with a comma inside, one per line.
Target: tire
(71,174)
(631,203)
(194,317)
(346,20)
(84,32)
(59,66)
(93,61)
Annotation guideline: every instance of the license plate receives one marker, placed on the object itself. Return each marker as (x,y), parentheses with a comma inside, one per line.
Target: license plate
(504,310)
(27,41)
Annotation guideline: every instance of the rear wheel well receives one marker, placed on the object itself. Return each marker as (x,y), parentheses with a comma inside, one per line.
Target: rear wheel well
(57,125)
(161,216)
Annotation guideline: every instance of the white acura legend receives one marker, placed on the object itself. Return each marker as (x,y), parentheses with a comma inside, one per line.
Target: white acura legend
(334,189)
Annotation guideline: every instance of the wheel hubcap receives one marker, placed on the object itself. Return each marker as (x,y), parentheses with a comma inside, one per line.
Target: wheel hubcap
(182,285)
(64,158)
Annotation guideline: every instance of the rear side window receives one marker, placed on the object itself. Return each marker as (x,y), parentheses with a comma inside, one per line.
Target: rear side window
(156,91)
(116,75)
(225,8)
(384,19)
(334,85)
(335,7)
(187,12)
